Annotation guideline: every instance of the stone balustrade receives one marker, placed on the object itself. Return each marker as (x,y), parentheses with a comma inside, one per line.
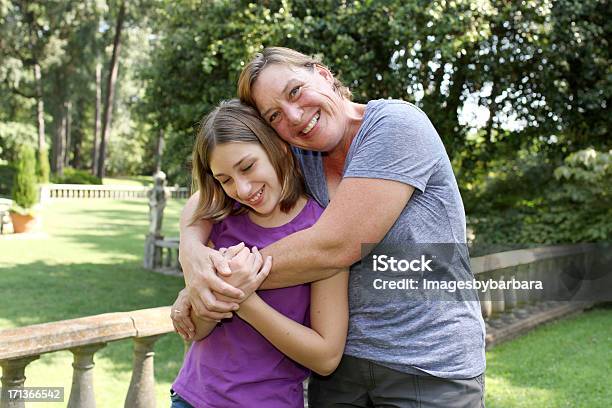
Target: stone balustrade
(510,312)
(84,337)
(114,192)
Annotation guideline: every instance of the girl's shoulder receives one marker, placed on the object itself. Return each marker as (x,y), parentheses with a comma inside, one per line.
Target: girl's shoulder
(313,207)
(308,216)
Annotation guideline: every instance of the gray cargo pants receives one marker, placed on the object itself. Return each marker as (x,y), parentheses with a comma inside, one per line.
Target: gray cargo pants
(362,383)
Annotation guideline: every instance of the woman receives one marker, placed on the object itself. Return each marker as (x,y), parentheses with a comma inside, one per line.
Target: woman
(384,177)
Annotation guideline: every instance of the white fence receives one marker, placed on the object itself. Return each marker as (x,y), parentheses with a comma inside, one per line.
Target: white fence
(114,192)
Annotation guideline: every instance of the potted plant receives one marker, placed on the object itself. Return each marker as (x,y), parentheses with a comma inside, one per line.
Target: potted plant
(23,214)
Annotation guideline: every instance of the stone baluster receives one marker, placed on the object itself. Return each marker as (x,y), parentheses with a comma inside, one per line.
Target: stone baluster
(497,298)
(573,279)
(557,267)
(141,393)
(486,307)
(510,300)
(82,391)
(160,260)
(497,303)
(13,376)
(550,274)
(522,295)
(532,295)
(540,269)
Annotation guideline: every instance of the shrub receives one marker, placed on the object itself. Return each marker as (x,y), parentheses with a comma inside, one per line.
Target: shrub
(574,205)
(24,183)
(76,176)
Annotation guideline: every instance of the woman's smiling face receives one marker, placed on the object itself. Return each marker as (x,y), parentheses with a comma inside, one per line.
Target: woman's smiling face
(301,105)
(247,175)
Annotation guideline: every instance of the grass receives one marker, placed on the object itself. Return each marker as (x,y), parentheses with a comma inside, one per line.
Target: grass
(91,263)
(564,364)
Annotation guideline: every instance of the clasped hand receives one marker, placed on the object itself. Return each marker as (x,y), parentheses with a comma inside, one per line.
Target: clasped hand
(217,283)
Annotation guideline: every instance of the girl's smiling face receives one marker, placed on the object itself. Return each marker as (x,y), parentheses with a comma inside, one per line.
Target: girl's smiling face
(246,174)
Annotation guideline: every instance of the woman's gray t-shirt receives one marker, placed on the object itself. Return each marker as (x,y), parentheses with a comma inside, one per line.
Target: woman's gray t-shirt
(397,141)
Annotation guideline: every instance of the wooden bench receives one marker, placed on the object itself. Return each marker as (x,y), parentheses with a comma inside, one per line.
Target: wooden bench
(5,218)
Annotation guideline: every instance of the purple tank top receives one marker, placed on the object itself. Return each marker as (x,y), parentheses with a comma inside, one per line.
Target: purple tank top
(235,366)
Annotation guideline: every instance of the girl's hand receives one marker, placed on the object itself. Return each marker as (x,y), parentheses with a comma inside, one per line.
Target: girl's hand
(200,266)
(180,315)
(249,270)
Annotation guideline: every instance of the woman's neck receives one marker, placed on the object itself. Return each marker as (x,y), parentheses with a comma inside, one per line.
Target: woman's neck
(278,218)
(335,158)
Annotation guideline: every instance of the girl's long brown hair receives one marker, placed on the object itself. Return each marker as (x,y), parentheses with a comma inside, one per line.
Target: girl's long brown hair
(233,121)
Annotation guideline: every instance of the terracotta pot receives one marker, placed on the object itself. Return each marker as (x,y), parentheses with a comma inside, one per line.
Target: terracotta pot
(23,223)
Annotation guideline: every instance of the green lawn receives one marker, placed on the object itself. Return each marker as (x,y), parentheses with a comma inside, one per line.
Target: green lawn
(90,263)
(563,364)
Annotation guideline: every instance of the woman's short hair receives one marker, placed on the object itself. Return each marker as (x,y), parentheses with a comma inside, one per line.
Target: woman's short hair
(279,56)
(232,121)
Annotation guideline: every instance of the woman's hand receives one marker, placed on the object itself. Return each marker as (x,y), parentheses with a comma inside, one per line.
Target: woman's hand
(180,315)
(249,270)
(203,266)
(200,266)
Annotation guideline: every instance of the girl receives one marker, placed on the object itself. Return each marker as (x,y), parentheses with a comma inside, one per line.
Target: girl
(251,189)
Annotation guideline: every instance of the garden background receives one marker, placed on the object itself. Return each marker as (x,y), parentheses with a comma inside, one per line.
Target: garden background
(111,91)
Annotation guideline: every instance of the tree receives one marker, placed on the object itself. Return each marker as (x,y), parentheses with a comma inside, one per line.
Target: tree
(42,166)
(96,128)
(506,59)
(70,89)
(26,42)
(75,37)
(110,90)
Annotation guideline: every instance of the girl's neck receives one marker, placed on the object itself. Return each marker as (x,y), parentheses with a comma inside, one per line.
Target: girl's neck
(278,218)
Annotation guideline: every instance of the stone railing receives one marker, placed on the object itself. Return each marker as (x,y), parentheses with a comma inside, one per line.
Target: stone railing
(511,311)
(507,313)
(84,337)
(114,192)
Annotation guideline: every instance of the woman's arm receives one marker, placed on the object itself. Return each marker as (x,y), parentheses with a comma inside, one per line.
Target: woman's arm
(319,348)
(354,217)
(186,323)
(200,265)
(362,211)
